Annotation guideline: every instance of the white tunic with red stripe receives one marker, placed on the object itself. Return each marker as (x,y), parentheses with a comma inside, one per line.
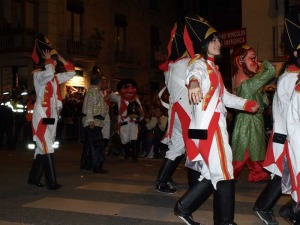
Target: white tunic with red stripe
(180,108)
(128,127)
(293,153)
(215,150)
(276,152)
(48,105)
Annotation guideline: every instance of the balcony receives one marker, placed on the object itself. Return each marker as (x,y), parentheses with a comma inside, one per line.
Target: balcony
(16,40)
(79,47)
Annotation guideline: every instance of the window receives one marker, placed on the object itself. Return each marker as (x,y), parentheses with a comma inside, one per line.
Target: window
(75,8)
(120,39)
(155,43)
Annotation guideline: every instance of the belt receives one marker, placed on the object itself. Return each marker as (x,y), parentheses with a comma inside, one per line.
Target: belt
(98,117)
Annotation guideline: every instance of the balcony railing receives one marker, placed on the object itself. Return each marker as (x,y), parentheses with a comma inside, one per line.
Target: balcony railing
(79,46)
(16,40)
(278,51)
(22,41)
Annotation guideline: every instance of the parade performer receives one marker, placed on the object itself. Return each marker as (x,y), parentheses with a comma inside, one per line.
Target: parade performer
(179,109)
(276,156)
(248,136)
(291,211)
(95,111)
(47,80)
(130,114)
(208,144)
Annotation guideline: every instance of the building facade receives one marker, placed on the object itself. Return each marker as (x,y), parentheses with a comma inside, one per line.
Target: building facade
(125,38)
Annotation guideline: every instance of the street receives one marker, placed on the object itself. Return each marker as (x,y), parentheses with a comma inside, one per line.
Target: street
(124,196)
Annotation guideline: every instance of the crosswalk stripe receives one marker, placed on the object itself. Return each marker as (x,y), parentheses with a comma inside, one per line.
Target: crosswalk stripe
(139,189)
(2,222)
(129,210)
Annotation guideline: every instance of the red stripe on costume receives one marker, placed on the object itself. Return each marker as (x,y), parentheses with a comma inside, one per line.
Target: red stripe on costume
(222,154)
(183,118)
(298,187)
(41,128)
(40,133)
(205,145)
(270,158)
(292,175)
(123,107)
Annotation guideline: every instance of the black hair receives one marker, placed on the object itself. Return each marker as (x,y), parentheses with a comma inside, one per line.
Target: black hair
(204,48)
(122,83)
(291,60)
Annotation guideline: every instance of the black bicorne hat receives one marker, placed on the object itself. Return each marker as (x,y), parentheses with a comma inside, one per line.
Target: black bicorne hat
(41,44)
(291,35)
(96,70)
(176,47)
(97,75)
(196,31)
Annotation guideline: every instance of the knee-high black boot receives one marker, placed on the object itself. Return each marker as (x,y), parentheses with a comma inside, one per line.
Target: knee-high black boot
(224,201)
(50,172)
(36,172)
(126,148)
(267,199)
(192,200)
(193,177)
(291,213)
(165,174)
(135,150)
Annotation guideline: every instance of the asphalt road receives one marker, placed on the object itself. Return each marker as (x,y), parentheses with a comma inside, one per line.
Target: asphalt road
(124,196)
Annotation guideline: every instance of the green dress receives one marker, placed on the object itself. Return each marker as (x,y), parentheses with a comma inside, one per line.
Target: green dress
(249,131)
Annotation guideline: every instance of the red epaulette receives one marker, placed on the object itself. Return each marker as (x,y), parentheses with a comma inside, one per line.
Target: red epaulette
(293,69)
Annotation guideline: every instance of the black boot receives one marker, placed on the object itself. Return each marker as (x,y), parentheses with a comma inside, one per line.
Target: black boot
(135,150)
(166,171)
(193,177)
(266,201)
(192,200)
(126,148)
(36,172)
(291,213)
(224,200)
(50,172)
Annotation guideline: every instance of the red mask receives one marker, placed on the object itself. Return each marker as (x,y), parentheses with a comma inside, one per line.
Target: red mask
(128,92)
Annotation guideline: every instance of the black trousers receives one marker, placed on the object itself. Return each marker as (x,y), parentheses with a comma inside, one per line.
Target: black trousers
(93,149)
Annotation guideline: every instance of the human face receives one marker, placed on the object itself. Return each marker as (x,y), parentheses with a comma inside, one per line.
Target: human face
(214,48)
(250,61)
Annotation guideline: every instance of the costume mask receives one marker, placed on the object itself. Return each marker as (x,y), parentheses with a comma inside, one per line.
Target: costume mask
(127,89)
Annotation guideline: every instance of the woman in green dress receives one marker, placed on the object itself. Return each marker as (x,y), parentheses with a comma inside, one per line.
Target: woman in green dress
(248,136)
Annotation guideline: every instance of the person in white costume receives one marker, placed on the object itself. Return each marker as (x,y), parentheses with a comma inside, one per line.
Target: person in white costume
(276,155)
(209,142)
(291,211)
(46,111)
(130,115)
(179,109)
